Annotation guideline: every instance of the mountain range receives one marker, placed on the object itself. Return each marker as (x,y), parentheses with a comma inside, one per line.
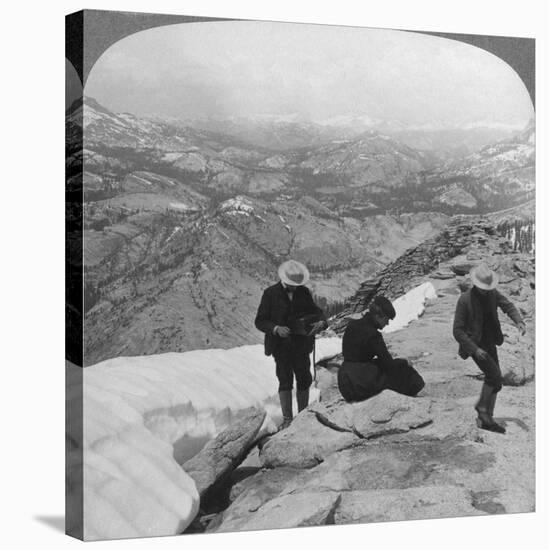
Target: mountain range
(184,226)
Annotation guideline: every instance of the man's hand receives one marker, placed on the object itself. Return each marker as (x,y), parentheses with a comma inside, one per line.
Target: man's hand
(522,328)
(283,332)
(481,355)
(317,327)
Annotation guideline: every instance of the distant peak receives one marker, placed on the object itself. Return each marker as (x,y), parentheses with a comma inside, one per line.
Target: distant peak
(94,104)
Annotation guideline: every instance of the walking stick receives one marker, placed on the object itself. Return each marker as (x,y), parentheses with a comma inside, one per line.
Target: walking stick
(314,358)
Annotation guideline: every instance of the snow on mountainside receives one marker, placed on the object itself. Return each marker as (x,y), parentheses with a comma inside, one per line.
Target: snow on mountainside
(287,132)
(356,174)
(498,176)
(450,143)
(274,133)
(126,130)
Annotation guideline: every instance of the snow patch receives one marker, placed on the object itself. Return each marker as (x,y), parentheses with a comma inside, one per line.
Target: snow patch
(176,230)
(171,157)
(410,306)
(179,206)
(237,205)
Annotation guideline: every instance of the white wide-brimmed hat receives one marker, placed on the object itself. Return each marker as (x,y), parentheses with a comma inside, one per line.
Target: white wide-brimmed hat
(293,273)
(483,277)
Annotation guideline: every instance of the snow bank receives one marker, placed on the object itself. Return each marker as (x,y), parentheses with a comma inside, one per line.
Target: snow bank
(140,412)
(327,347)
(144,415)
(410,306)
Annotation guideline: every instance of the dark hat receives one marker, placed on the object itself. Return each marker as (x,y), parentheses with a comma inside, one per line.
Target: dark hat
(384,305)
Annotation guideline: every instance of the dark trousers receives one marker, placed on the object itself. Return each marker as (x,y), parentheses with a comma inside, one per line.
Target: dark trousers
(293,361)
(490,366)
(360,381)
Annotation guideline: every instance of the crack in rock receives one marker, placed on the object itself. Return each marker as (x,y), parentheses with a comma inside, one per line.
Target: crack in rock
(330,518)
(325,421)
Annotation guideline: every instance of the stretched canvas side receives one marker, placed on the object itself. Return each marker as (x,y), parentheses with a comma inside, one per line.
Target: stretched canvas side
(74,457)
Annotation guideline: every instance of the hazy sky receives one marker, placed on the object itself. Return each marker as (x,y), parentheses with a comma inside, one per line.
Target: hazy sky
(222,69)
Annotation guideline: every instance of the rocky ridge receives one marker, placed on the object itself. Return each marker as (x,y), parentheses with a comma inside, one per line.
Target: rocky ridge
(497,176)
(410,268)
(394,457)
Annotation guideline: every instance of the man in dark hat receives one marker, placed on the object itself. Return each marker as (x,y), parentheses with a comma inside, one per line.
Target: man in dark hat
(368,368)
(289,318)
(478,332)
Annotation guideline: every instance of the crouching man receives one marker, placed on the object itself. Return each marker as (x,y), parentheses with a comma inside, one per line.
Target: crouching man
(478,332)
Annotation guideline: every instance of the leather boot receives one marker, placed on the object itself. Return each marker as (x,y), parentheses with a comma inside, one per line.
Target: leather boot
(485,420)
(302,399)
(285,397)
(491,406)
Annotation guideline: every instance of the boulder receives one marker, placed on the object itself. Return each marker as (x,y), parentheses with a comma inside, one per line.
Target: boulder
(304,444)
(474,255)
(252,492)
(384,414)
(331,426)
(462,268)
(443,275)
(505,273)
(523,268)
(401,464)
(286,511)
(517,354)
(222,454)
(516,368)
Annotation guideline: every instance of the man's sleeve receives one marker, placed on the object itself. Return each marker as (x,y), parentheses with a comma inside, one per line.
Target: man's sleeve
(508,308)
(263,320)
(460,328)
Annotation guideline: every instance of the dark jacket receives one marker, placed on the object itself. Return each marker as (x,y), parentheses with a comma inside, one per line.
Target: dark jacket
(277,309)
(469,320)
(362,342)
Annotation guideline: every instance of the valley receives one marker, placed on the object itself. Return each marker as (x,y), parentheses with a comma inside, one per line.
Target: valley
(183,227)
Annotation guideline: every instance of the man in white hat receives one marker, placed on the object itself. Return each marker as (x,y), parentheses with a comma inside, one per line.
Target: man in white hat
(478,331)
(289,318)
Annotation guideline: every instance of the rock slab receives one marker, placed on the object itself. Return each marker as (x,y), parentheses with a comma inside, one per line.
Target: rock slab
(287,511)
(222,454)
